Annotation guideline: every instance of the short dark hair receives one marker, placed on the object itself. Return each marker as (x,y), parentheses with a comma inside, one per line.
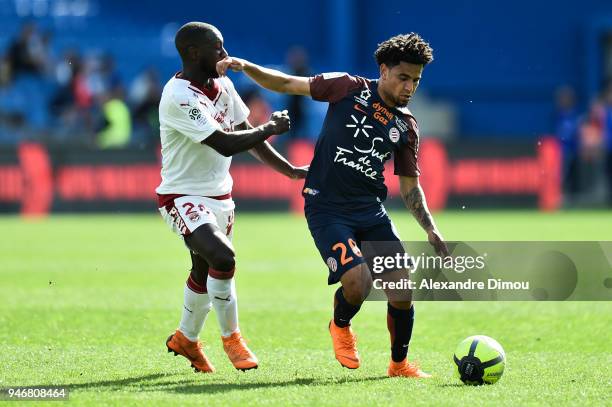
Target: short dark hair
(409,48)
(189,34)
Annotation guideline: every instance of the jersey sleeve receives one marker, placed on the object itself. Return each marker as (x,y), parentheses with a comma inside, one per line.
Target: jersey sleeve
(241,111)
(186,116)
(333,86)
(405,159)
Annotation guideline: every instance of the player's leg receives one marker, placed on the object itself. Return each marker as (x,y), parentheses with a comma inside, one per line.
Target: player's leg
(196,307)
(184,214)
(336,243)
(355,285)
(197,302)
(212,243)
(400,310)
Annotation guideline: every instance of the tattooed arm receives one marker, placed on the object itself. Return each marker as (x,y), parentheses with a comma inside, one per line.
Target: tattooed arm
(414,199)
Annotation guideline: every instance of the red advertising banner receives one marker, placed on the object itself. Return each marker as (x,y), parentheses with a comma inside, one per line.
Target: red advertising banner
(35,180)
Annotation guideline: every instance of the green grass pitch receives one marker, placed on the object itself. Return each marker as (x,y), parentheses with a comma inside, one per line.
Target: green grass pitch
(87,302)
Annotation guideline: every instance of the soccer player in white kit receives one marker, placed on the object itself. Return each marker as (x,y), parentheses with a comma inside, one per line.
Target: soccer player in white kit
(203,122)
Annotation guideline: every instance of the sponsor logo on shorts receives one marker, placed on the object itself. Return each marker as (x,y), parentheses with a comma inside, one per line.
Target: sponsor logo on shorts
(394,135)
(332,264)
(310,191)
(178,221)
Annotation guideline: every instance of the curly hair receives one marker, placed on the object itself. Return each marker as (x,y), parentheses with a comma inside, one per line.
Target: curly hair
(409,48)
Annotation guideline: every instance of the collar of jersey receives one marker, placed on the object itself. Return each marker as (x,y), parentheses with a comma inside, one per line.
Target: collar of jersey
(211,93)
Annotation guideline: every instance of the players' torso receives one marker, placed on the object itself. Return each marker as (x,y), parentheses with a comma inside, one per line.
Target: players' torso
(359,135)
(189,167)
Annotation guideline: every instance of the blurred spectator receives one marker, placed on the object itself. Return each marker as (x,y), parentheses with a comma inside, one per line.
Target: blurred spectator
(11,121)
(591,154)
(101,75)
(117,127)
(144,96)
(566,125)
(297,62)
(28,51)
(259,107)
(72,102)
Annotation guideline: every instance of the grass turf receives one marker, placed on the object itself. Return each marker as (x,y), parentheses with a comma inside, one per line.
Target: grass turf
(87,302)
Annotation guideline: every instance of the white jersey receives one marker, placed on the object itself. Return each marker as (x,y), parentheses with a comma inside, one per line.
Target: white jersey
(187,115)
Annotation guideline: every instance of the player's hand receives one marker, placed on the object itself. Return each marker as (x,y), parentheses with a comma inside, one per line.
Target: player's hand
(279,123)
(235,64)
(437,241)
(299,172)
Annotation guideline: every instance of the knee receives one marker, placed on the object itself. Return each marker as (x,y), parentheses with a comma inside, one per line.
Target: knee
(223,260)
(357,289)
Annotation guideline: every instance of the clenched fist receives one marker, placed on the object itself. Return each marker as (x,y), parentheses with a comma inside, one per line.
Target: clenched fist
(279,122)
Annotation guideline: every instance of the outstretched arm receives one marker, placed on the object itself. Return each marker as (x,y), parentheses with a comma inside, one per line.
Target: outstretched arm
(414,199)
(270,79)
(230,143)
(268,155)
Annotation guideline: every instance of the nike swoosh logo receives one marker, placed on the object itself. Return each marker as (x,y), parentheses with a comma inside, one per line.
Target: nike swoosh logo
(224,299)
(188,309)
(359,109)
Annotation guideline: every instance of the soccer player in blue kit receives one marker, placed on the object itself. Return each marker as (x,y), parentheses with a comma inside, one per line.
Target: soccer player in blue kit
(367,122)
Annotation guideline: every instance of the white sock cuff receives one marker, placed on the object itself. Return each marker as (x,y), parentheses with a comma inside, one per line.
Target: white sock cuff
(217,286)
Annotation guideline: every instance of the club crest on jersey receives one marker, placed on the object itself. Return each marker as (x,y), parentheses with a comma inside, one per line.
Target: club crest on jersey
(394,135)
(332,264)
(194,217)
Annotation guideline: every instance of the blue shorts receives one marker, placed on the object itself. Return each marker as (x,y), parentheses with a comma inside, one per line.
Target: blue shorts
(339,237)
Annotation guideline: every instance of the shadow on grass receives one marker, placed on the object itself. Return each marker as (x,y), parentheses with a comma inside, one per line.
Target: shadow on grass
(226,387)
(152,382)
(109,384)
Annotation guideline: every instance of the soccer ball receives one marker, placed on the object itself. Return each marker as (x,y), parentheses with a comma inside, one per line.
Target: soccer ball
(479,360)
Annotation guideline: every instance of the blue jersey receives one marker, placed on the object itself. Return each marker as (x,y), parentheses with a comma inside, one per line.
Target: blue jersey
(359,135)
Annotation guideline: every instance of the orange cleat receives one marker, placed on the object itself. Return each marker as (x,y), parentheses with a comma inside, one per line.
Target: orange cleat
(406,369)
(179,344)
(345,345)
(239,354)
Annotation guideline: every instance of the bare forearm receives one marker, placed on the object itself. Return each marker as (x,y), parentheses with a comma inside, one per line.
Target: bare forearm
(416,203)
(277,81)
(235,142)
(268,78)
(268,155)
